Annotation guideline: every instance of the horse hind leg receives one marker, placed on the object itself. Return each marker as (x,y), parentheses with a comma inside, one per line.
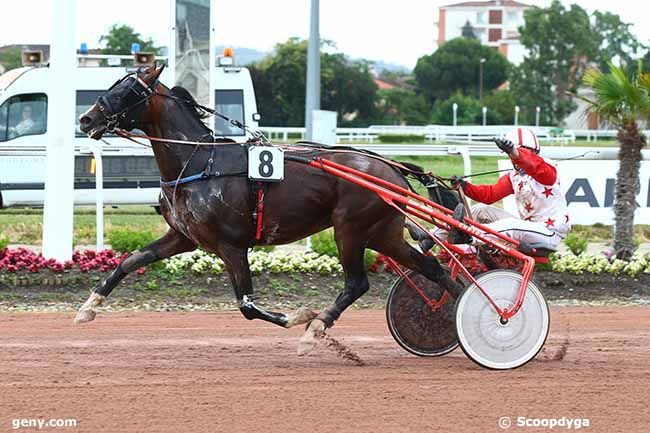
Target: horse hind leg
(398,249)
(351,249)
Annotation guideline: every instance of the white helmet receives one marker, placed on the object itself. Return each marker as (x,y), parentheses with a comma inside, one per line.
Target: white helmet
(523,137)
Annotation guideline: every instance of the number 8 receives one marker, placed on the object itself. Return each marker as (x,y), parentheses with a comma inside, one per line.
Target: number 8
(266,166)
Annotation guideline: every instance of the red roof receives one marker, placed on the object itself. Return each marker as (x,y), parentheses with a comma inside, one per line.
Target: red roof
(507,3)
(383,85)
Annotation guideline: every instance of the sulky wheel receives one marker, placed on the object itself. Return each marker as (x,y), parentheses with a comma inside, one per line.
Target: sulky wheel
(415,325)
(482,336)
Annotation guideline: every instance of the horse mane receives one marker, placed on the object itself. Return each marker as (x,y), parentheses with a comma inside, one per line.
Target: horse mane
(189,102)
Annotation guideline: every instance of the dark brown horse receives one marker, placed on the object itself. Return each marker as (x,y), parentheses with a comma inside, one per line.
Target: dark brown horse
(215,213)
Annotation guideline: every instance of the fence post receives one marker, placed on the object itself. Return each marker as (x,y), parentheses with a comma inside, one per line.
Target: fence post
(454,109)
(484,116)
(516,115)
(537,110)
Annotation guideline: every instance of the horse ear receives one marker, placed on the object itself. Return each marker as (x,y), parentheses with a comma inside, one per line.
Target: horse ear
(158,71)
(153,72)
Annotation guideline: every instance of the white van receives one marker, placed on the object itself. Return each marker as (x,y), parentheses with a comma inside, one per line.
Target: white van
(130,172)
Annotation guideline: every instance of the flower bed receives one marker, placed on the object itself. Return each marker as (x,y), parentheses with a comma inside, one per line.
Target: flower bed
(600,263)
(21,259)
(260,261)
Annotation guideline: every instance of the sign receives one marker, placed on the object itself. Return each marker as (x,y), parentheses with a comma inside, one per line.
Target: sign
(324,127)
(589,188)
(265,163)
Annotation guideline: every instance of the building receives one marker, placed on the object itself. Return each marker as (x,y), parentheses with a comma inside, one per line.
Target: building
(495,23)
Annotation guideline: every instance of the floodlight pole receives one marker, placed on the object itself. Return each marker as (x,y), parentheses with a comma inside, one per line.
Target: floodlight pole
(59,174)
(312,100)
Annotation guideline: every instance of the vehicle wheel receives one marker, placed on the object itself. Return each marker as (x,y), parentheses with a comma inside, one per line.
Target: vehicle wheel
(482,336)
(415,325)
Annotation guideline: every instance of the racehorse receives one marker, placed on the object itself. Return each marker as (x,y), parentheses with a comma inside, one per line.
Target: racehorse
(216,212)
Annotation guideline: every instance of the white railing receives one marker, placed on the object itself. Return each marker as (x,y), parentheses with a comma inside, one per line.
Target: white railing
(430,133)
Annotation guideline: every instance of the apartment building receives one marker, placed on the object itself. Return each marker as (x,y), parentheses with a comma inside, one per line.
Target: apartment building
(495,23)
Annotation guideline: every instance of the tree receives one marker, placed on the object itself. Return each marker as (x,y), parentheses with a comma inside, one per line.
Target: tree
(624,100)
(561,43)
(469,111)
(468,31)
(501,107)
(615,40)
(402,106)
(11,59)
(120,37)
(454,67)
(346,86)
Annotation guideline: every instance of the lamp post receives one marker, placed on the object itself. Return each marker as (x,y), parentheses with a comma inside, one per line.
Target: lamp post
(516,115)
(312,100)
(484,116)
(454,109)
(480,79)
(537,110)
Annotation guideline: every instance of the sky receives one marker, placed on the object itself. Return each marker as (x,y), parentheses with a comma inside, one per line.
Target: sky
(392,31)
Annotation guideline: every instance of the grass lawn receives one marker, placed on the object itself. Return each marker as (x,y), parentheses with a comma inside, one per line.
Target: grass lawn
(25,226)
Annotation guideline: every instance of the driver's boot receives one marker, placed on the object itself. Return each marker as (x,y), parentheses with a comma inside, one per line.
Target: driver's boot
(457,236)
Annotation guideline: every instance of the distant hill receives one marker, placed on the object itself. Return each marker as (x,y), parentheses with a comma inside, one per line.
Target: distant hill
(246,56)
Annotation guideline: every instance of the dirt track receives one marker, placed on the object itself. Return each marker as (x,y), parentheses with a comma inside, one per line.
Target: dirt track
(216,372)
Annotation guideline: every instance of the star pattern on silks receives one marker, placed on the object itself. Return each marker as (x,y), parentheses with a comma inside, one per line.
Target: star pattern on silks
(528,207)
(521,185)
(528,218)
(549,222)
(548,192)
(566,218)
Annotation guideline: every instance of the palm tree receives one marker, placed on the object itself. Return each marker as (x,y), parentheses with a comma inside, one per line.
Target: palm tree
(624,101)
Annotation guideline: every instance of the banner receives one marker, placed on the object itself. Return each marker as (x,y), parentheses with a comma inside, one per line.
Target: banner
(589,188)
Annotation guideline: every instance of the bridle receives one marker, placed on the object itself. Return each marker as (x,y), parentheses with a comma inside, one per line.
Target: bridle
(144,92)
(138,88)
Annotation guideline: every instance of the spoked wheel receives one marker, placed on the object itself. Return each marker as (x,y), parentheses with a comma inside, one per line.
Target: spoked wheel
(415,325)
(481,333)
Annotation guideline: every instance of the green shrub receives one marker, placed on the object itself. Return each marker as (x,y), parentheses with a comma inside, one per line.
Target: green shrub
(4,242)
(126,241)
(324,243)
(576,244)
(400,138)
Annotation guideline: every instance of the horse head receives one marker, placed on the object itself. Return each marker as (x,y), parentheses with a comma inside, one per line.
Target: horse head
(123,104)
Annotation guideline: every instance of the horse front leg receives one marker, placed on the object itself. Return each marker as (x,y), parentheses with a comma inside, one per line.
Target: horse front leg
(172,243)
(236,261)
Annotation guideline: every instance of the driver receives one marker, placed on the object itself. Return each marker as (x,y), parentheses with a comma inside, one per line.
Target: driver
(543,215)
(25,124)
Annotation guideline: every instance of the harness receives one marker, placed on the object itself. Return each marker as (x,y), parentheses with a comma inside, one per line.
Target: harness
(142,93)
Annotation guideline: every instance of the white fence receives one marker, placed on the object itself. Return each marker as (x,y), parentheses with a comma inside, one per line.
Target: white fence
(430,133)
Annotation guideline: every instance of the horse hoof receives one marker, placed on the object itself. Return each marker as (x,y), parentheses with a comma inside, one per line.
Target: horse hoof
(308,340)
(87,311)
(84,316)
(302,315)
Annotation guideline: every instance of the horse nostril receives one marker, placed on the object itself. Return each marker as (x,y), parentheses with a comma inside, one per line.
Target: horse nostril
(85,120)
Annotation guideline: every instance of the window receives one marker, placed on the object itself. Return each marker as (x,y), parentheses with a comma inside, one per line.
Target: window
(23,115)
(3,121)
(481,17)
(85,100)
(496,17)
(512,17)
(494,35)
(230,103)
